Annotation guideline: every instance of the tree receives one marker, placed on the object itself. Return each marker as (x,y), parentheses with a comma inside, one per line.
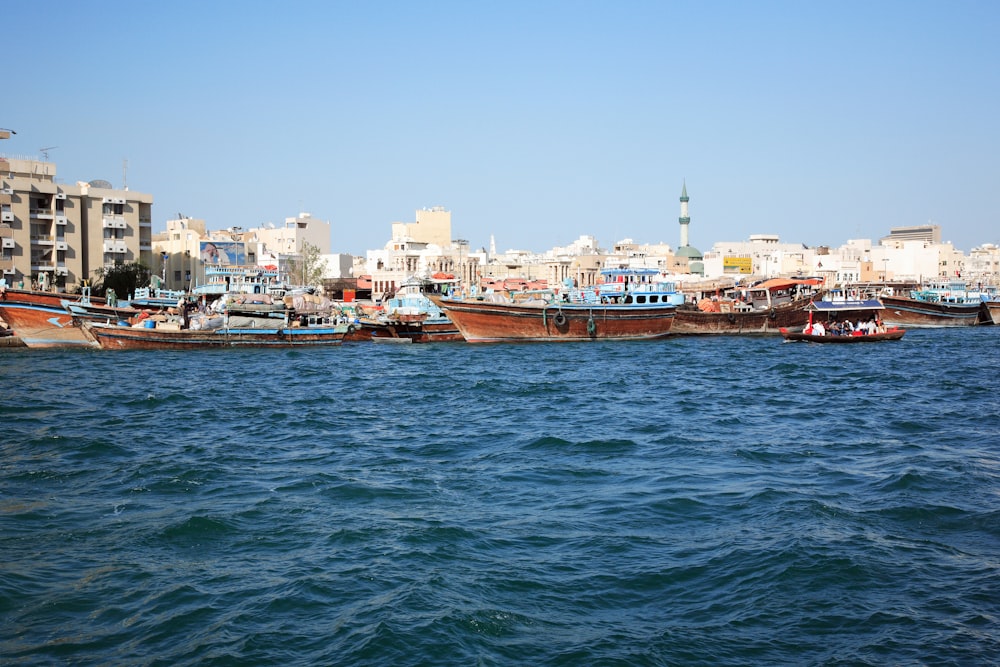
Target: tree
(122,278)
(310,268)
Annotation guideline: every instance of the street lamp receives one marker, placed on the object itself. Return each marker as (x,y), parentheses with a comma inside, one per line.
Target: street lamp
(164,270)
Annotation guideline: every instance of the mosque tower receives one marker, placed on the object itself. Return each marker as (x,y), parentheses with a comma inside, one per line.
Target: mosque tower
(695,261)
(685,218)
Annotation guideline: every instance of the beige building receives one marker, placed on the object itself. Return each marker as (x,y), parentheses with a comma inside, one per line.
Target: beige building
(433,226)
(182,253)
(57,234)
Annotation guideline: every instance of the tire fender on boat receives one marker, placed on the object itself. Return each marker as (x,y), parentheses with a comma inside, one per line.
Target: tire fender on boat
(559,319)
(773,314)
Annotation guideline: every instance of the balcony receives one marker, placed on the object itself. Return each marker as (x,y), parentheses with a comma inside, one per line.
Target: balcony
(43,239)
(115,247)
(113,222)
(41,213)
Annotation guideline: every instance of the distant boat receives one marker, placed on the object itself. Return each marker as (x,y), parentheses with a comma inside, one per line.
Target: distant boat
(935,305)
(764,308)
(166,336)
(838,311)
(410,314)
(634,308)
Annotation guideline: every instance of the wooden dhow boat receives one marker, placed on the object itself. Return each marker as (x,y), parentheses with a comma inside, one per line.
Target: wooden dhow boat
(764,308)
(410,314)
(43,319)
(629,306)
(934,306)
(261,332)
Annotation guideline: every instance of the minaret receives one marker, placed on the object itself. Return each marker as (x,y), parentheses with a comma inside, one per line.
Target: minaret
(685,219)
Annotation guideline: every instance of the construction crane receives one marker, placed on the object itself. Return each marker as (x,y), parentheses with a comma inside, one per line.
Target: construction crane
(45,152)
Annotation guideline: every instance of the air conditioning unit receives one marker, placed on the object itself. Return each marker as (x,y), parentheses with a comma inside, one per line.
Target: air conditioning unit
(8,243)
(7,216)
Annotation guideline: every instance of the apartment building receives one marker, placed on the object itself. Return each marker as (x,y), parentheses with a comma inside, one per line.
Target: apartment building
(184,251)
(53,234)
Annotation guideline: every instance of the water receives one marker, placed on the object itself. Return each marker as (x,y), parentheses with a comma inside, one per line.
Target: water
(690,501)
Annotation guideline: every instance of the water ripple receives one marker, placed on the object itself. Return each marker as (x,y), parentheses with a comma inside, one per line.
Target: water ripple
(726,502)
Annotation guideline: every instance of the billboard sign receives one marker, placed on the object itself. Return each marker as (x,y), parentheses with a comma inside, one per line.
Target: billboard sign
(222,252)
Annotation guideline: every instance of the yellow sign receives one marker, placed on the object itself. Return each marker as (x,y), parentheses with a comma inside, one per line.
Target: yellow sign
(737,265)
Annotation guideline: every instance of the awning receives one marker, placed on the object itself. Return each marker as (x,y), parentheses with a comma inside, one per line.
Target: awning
(846,304)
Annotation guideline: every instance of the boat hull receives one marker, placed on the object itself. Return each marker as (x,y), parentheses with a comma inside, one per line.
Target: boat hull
(691,321)
(488,322)
(890,334)
(990,312)
(43,319)
(420,332)
(114,337)
(42,326)
(914,313)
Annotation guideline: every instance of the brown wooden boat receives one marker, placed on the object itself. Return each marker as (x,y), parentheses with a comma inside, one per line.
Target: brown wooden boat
(41,319)
(485,321)
(690,320)
(159,337)
(910,312)
(894,333)
(763,308)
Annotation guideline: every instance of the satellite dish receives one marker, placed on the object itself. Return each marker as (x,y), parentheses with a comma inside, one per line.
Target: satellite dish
(100,183)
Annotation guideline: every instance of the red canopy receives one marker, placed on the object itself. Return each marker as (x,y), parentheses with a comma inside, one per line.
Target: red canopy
(782,283)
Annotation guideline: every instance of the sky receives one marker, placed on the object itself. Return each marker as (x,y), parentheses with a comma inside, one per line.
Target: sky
(534,122)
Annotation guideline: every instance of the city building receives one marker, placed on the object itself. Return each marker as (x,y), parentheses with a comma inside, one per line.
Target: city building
(929,233)
(187,247)
(58,235)
(422,249)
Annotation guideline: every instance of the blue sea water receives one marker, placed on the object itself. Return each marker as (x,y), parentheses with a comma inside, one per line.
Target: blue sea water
(690,501)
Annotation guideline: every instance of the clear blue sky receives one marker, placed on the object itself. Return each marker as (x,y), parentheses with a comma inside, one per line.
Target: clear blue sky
(534,121)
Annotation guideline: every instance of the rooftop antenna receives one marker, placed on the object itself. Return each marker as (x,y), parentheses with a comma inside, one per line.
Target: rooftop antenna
(45,152)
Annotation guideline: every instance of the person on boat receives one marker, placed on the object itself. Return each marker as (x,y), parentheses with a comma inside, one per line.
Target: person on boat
(818,329)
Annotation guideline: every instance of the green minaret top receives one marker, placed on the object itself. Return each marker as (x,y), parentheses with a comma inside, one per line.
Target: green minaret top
(684,192)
